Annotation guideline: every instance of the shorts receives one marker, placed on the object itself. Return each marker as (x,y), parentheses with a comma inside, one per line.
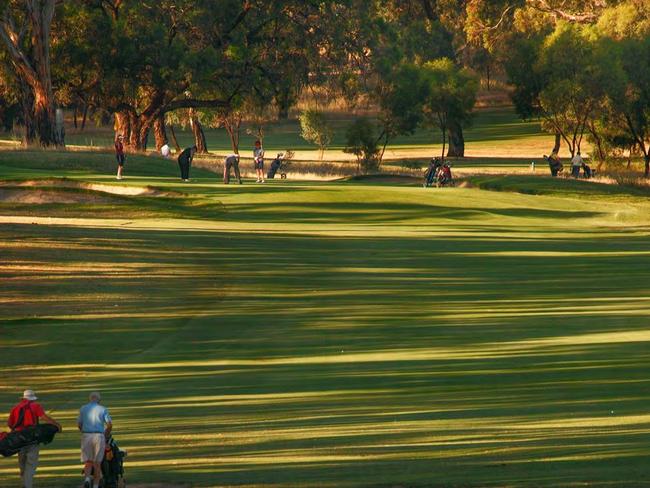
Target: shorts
(92,448)
(259,164)
(121,159)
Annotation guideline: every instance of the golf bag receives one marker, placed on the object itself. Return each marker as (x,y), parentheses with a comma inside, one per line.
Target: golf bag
(588,172)
(113,465)
(554,165)
(444,177)
(431,173)
(275,166)
(13,442)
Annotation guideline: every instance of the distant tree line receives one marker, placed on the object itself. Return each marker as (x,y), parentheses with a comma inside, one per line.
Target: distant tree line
(582,66)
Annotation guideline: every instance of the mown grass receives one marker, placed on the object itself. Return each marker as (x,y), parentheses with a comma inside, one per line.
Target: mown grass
(340,334)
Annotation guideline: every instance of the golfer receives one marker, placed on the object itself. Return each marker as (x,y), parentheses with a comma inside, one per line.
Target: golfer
(231,161)
(95,425)
(258,157)
(119,155)
(25,414)
(185,162)
(576,165)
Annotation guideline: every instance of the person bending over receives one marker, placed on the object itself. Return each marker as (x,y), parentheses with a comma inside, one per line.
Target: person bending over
(231,161)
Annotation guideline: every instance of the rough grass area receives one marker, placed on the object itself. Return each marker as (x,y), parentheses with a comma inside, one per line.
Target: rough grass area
(358,333)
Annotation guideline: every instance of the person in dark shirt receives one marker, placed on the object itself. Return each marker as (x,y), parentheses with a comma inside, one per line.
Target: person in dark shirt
(119,155)
(185,162)
(25,414)
(231,161)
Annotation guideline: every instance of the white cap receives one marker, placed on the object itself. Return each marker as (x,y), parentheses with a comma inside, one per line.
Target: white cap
(29,395)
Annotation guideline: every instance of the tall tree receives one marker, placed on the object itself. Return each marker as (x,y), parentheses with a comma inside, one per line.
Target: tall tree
(25,29)
(451,96)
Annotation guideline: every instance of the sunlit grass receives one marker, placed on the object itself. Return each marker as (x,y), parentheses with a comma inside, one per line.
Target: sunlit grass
(337,334)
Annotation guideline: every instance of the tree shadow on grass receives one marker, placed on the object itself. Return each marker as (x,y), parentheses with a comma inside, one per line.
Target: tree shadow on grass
(265,359)
(385,212)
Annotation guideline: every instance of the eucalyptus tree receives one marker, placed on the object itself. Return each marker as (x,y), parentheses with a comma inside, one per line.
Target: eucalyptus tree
(25,32)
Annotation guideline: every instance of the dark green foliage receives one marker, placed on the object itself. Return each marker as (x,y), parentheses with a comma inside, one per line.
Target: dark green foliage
(362,141)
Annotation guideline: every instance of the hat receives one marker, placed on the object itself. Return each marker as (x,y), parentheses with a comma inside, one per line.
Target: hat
(29,395)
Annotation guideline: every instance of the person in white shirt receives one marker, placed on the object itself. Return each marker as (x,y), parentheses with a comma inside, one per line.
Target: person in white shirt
(576,165)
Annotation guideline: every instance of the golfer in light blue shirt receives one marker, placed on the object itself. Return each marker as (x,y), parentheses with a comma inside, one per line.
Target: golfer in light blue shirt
(96,424)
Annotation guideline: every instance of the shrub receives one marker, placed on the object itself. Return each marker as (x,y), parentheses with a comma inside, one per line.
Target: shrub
(315,129)
(361,140)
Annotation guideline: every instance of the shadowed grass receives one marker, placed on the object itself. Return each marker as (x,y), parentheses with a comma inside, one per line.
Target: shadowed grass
(344,334)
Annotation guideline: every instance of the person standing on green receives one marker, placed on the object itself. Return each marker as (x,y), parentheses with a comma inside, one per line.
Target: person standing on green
(185,162)
(258,157)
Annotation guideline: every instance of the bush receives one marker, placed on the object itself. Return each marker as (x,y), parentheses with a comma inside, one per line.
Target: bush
(362,141)
(315,129)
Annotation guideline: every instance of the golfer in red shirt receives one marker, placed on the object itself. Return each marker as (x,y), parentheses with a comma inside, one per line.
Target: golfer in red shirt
(23,415)
(119,155)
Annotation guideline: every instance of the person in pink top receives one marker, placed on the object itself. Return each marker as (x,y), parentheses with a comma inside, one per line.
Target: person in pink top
(119,155)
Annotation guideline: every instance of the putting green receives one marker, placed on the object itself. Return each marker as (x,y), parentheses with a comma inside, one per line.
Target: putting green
(336,334)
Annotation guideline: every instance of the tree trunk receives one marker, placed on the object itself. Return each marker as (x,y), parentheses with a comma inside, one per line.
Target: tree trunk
(456,141)
(558,142)
(233,126)
(122,126)
(283,100)
(488,73)
(31,60)
(45,118)
(84,118)
(199,135)
(444,142)
(174,140)
(27,107)
(160,132)
(74,117)
(646,158)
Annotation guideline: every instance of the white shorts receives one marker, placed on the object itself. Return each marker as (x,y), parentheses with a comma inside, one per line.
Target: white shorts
(92,448)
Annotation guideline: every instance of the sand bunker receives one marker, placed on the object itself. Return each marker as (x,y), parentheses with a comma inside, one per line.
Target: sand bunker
(58,191)
(39,196)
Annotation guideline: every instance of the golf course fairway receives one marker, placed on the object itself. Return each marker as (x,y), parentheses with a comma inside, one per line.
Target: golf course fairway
(352,333)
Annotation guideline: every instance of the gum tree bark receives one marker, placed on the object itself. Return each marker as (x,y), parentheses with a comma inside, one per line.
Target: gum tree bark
(199,135)
(456,141)
(160,132)
(28,46)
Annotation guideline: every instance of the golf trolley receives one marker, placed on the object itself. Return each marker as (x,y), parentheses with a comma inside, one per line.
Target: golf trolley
(280,164)
(113,466)
(438,173)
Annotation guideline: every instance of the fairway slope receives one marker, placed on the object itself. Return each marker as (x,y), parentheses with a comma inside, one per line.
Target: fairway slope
(347,334)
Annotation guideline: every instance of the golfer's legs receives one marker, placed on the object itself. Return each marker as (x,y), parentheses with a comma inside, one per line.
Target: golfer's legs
(185,171)
(236,165)
(28,462)
(226,173)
